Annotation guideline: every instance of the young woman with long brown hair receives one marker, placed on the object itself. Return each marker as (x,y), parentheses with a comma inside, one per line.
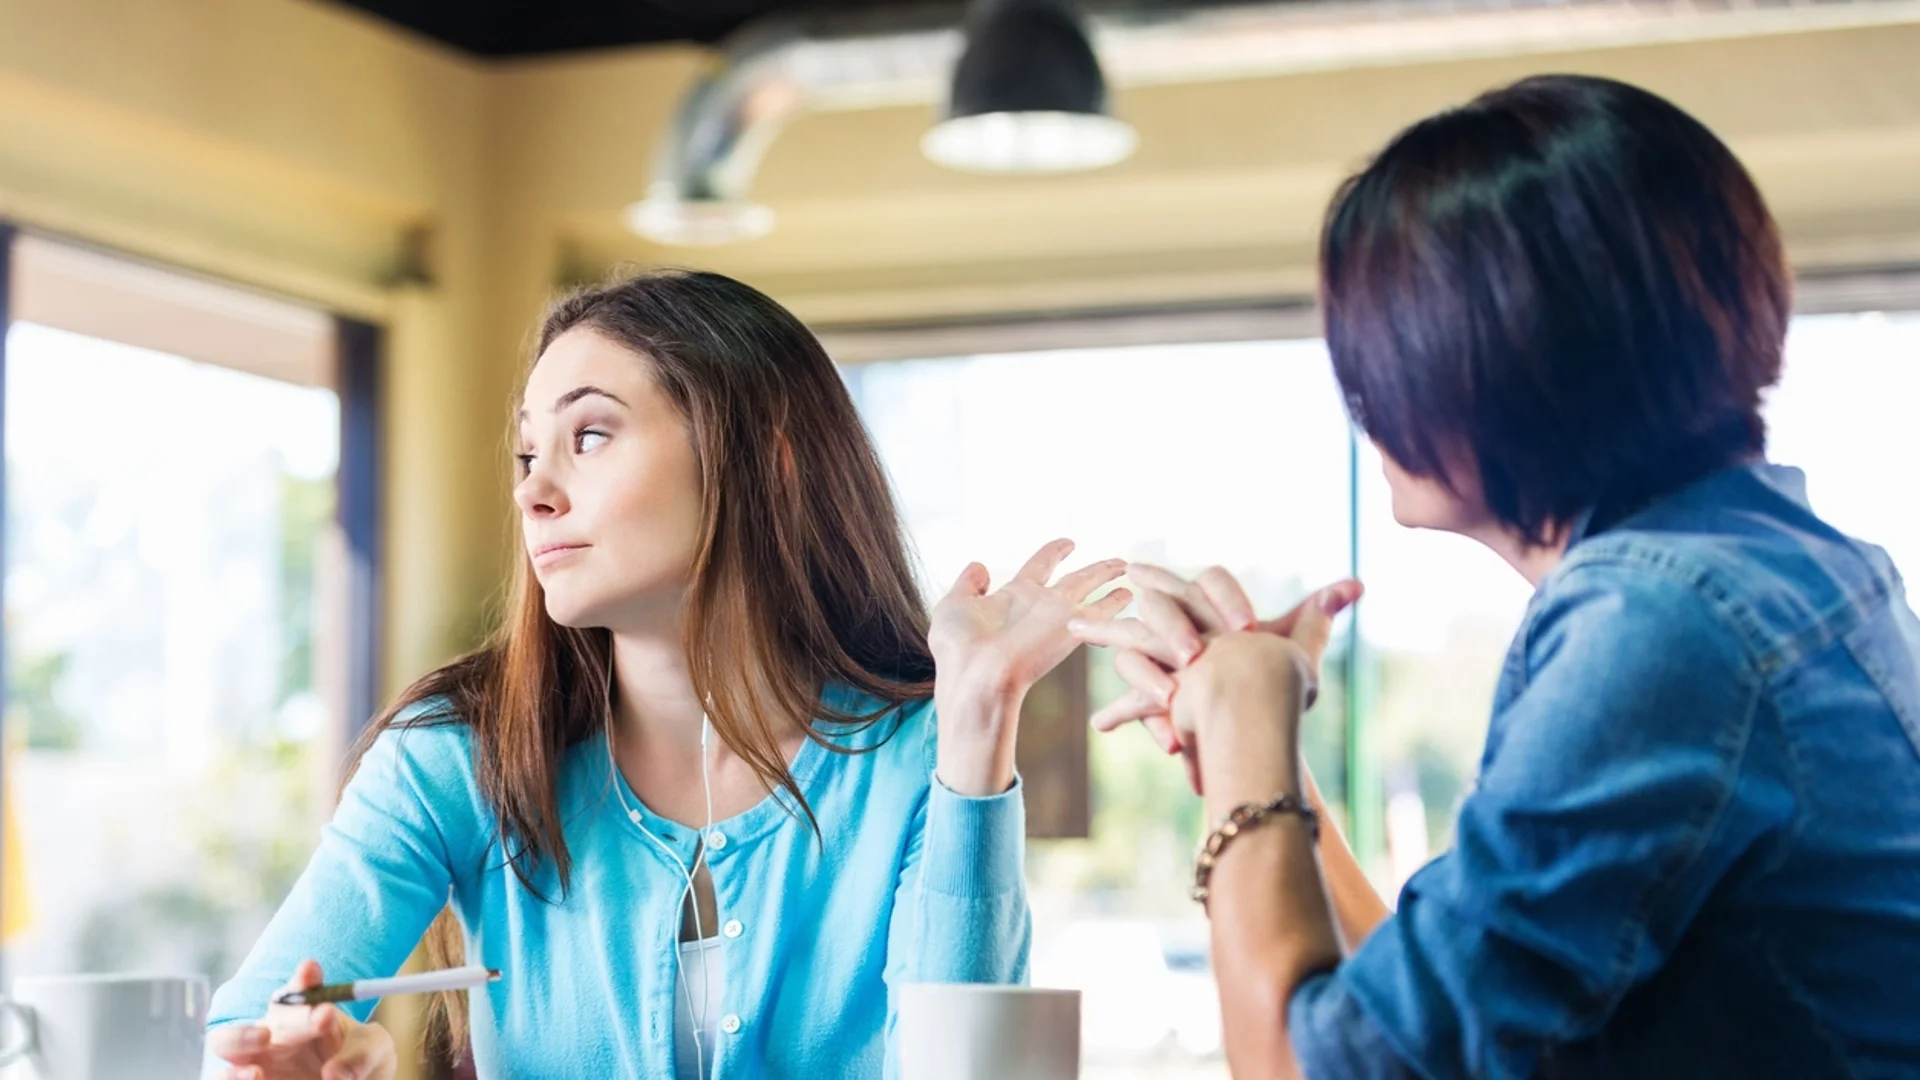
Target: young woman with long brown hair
(719,784)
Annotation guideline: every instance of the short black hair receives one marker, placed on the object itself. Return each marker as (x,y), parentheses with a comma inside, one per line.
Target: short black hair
(1569,285)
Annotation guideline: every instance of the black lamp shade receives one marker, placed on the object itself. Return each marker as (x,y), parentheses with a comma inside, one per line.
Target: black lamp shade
(1026,56)
(1027,95)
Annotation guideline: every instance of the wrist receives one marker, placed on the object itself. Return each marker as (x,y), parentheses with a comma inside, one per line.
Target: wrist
(1246,773)
(1239,669)
(981,705)
(978,729)
(1248,731)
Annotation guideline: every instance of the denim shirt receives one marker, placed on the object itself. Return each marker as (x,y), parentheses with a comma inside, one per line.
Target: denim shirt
(1693,849)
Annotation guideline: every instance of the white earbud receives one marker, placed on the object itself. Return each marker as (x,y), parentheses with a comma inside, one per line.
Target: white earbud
(695,1010)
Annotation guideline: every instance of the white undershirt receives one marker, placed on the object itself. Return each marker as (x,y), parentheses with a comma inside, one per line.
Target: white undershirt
(706,985)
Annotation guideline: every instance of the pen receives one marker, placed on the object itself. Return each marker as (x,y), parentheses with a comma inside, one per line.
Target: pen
(464,978)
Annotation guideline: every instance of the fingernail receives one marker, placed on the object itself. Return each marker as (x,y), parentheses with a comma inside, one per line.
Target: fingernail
(1332,600)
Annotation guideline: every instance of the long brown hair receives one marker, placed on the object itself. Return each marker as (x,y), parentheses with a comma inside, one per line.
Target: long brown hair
(801,579)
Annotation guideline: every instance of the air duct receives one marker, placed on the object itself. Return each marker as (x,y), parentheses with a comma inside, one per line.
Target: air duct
(780,68)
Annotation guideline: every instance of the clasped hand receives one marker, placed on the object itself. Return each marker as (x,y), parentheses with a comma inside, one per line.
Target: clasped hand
(1196,648)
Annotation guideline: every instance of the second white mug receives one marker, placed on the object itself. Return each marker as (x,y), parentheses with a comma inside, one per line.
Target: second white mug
(106,1027)
(951,1031)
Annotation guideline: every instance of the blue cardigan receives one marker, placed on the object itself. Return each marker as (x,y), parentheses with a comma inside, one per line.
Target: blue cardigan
(908,882)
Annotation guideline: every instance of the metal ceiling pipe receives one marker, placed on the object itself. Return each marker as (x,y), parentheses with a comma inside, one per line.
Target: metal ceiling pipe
(766,75)
(775,70)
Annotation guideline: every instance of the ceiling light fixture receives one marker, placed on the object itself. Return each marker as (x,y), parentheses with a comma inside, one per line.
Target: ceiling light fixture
(666,217)
(1027,95)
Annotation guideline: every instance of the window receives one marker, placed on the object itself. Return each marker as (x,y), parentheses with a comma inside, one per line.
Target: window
(1440,609)
(1246,466)
(1843,412)
(176,641)
(1438,614)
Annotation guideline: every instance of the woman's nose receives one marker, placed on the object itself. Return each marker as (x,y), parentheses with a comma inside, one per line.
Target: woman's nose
(538,496)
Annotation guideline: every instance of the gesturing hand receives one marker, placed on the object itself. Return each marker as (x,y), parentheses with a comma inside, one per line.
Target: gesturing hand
(990,647)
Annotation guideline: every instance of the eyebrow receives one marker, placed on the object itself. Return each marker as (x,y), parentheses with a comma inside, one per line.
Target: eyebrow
(576,394)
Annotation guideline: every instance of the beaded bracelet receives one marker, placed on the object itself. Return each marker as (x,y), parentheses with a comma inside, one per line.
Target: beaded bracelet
(1244,817)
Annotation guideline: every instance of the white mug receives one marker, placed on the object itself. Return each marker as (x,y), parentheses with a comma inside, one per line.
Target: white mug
(106,1027)
(953,1031)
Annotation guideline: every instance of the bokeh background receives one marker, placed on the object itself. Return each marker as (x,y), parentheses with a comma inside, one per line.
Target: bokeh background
(270,267)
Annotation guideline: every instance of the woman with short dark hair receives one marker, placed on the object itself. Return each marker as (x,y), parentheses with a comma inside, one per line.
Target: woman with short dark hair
(1694,845)
(1569,295)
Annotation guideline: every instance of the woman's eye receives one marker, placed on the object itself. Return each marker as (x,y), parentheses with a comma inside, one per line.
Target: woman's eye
(525,461)
(587,440)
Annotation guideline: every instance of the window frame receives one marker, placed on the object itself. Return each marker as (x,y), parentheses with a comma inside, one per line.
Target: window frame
(355,352)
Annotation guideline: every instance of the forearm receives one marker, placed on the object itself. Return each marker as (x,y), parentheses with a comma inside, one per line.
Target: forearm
(977,725)
(960,909)
(1272,929)
(1359,909)
(1273,924)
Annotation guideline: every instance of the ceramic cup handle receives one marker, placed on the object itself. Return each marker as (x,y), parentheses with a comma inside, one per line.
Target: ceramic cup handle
(19,1038)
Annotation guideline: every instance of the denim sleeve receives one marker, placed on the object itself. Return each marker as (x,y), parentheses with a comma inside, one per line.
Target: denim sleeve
(1619,790)
(1334,1039)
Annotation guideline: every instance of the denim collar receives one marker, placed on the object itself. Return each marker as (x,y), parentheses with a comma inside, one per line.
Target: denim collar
(1784,479)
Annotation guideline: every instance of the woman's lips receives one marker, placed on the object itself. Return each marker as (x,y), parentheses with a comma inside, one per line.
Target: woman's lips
(553,553)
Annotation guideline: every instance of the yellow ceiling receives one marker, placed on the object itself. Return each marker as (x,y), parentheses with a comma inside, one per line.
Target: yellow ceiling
(1224,198)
